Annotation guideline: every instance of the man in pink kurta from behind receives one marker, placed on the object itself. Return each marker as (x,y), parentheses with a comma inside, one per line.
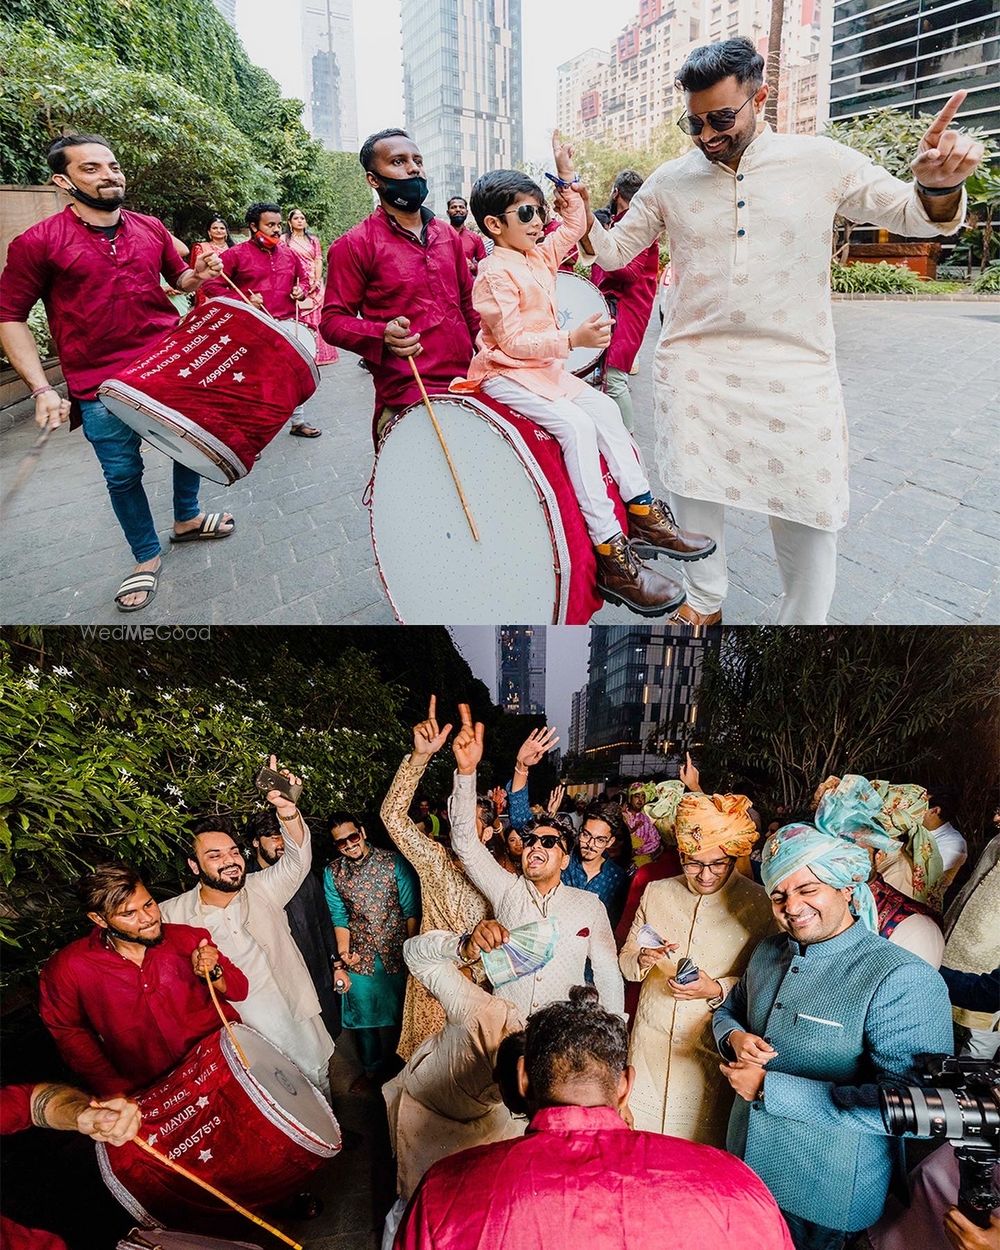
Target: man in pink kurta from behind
(581,1176)
(398,284)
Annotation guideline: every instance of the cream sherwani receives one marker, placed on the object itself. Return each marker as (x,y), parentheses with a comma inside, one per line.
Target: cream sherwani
(678,1086)
(749,410)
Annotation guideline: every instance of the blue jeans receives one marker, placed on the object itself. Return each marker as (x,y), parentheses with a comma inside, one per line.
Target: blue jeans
(118,449)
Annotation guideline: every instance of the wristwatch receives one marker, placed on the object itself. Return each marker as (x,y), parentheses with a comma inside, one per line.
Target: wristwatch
(217,973)
(939,190)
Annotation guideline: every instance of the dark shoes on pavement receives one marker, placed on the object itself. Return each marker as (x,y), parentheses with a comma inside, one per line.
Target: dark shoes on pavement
(652,531)
(621,578)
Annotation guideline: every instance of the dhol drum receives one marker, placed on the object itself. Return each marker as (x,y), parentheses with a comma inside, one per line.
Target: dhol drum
(534,561)
(576,300)
(302,334)
(215,390)
(254,1135)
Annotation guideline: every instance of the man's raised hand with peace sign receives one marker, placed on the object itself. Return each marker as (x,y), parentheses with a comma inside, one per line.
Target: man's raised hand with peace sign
(945,158)
(468,742)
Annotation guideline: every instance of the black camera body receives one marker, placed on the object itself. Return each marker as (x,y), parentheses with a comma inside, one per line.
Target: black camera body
(960,1101)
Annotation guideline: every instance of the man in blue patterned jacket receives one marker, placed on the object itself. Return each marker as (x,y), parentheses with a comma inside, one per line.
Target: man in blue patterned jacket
(823,1012)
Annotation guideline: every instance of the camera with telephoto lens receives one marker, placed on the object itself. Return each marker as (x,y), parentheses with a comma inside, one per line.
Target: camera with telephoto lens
(960,1101)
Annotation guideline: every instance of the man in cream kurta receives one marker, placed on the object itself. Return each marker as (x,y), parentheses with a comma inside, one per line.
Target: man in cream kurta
(749,411)
(715,916)
(246,915)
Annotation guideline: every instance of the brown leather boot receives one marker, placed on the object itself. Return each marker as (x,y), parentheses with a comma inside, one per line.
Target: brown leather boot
(652,531)
(621,578)
(686,615)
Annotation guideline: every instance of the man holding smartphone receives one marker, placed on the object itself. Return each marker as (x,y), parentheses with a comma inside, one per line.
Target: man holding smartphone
(246,917)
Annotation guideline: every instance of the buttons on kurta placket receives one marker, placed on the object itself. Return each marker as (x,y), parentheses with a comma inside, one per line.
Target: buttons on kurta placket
(740,233)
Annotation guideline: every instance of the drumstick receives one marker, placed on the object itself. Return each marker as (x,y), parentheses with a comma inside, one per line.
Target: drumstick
(29,463)
(226,1023)
(444,448)
(217,1193)
(243,296)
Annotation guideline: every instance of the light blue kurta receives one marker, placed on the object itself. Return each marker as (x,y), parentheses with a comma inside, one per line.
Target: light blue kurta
(841,1014)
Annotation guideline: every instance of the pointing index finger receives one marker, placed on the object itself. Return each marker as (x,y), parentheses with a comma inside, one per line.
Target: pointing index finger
(943,119)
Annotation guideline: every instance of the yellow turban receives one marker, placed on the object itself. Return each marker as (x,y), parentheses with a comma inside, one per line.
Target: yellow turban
(708,822)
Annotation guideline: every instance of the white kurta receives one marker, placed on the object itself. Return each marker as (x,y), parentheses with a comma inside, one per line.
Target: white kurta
(749,409)
(678,1086)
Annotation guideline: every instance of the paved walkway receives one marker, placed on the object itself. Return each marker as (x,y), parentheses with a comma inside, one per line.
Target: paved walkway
(922,389)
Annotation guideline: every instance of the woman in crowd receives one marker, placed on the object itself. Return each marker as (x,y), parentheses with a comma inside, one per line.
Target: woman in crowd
(302,240)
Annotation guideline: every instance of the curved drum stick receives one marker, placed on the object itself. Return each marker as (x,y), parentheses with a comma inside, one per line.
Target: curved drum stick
(217,1193)
(226,1024)
(444,448)
(29,463)
(246,298)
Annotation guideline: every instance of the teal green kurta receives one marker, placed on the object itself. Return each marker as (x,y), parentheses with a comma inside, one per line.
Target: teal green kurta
(375,999)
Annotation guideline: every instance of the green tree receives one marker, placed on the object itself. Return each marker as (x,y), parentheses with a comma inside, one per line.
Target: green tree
(181,156)
(793,706)
(598,161)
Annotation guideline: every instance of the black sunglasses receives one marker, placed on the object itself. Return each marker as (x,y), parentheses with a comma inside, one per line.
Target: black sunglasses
(526,213)
(350,840)
(548,840)
(718,119)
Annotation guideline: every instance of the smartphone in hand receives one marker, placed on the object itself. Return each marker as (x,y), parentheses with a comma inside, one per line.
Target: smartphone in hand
(268,779)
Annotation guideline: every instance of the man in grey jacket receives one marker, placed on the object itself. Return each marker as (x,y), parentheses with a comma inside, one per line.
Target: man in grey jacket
(246,914)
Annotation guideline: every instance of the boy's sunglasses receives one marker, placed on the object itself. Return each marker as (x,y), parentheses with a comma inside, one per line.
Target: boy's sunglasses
(548,840)
(526,213)
(718,119)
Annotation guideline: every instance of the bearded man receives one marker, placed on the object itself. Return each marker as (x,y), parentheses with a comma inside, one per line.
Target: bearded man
(246,917)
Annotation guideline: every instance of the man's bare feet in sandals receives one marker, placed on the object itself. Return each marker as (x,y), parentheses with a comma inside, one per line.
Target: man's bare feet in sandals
(143,588)
(213,525)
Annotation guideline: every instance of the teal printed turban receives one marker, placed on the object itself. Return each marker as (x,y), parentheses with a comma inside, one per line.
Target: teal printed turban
(833,857)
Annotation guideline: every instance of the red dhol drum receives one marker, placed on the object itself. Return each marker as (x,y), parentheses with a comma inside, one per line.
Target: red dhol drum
(214,391)
(253,1135)
(534,562)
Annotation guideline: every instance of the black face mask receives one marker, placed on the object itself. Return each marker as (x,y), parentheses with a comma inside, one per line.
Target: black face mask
(457,219)
(406,194)
(92,201)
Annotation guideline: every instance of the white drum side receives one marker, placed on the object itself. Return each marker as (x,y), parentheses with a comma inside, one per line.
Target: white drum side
(577,299)
(431,567)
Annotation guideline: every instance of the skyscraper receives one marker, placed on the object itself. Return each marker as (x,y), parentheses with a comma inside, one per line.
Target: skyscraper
(331,113)
(521,669)
(578,722)
(911,55)
(643,690)
(462,89)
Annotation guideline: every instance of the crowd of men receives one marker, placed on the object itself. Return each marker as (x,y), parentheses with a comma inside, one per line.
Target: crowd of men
(481,969)
(749,412)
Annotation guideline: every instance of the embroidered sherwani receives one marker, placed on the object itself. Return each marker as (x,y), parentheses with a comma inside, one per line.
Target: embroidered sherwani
(449,900)
(749,410)
(678,1086)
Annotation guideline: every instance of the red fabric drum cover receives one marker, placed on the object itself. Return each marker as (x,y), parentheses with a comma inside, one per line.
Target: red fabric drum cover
(215,390)
(534,562)
(254,1135)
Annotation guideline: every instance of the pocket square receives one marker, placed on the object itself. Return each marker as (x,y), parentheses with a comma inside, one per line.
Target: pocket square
(584,933)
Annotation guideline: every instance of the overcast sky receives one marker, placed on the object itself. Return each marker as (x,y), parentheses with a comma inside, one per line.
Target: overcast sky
(548,39)
(567,654)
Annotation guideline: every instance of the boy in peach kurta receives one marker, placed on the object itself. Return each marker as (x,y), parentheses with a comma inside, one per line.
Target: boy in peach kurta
(521,362)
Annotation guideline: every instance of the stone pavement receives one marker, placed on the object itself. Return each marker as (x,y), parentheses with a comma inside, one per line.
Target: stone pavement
(922,390)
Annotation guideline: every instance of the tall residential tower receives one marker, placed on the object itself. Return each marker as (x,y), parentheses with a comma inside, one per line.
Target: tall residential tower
(331,113)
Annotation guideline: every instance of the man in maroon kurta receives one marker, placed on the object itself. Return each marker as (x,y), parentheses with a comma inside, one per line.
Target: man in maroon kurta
(631,293)
(473,244)
(274,279)
(97,268)
(398,284)
(580,1176)
(125,1004)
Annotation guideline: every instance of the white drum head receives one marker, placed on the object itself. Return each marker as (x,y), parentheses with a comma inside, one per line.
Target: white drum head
(173,433)
(281,1085)
(299,331)
(432,568)
(576,300)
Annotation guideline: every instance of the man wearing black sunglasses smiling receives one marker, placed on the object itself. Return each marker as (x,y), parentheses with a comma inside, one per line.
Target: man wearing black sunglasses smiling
(749,411)
(582,923)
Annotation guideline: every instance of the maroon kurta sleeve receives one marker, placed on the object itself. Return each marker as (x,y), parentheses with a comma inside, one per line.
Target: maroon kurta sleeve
(464,276)
(15,1108)
(172,265)
(23,279)
(346,283)
(64,1017)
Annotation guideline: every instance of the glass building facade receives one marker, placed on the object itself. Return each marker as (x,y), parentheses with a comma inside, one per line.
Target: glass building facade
(462,89)
(328,56)
(643,690)
(913,54)
(521,670)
